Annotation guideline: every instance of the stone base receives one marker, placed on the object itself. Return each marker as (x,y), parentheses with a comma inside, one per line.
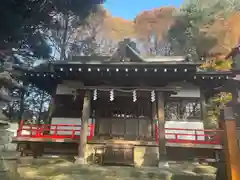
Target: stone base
(162,164)
(80,160)
(8,165)
(143,155)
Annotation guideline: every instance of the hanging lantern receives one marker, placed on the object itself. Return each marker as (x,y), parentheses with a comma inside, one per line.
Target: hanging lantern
(95,94)
(153,96)
(111,95)
(134,96)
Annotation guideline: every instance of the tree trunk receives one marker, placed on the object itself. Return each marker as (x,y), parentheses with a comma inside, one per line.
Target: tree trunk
(84,128)
(64,38)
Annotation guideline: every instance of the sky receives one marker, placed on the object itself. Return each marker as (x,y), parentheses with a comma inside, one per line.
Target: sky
(128,9)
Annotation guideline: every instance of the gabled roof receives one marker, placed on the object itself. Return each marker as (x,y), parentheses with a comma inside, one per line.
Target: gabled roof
(127,52)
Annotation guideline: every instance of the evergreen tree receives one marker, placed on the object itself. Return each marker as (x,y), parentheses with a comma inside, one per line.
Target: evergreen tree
(23,30)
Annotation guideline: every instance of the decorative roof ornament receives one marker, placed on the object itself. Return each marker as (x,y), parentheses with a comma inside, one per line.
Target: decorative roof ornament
(188,58)
(126,51)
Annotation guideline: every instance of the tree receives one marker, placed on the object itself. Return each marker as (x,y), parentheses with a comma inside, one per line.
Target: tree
(23,37)
(89,40)
(189,34)
(73,29)
(154,46)
(23,32)
(185,36)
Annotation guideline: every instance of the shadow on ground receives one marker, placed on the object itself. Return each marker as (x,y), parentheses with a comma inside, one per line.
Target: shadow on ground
(61,169)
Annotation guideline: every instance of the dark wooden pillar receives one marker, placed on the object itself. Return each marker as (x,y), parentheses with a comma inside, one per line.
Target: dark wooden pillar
(51,109)
(84,128)
(161,126)
(154,118)
(231,150)
(52,105)
(203,105)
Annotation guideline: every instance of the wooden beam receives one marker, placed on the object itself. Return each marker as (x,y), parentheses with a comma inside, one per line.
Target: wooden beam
(231,149)
(203,105)
(123,88)
(51,109)
(84,128)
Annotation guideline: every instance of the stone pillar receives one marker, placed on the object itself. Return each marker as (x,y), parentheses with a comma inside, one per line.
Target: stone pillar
(84,128)
(230,146)
(8,166)
(161,126)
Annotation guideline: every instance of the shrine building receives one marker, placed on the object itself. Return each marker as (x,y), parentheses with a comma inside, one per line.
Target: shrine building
(128,101)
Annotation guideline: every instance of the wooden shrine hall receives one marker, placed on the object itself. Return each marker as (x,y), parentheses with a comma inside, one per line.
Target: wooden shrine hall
(126,103)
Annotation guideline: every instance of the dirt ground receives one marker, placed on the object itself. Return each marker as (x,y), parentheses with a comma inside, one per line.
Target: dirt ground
(61,169)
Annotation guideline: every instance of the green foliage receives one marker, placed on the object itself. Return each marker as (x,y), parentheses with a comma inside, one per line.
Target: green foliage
(188,35)
(217,65)
(23,23)
(218,101)
(185,35)
(20,22)
(215,104)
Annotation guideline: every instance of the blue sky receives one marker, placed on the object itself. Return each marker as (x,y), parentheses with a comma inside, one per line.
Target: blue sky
(128,9)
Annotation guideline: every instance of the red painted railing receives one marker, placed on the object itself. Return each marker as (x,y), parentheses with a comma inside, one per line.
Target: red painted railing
(192,136)
(72,131)
(54,131)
